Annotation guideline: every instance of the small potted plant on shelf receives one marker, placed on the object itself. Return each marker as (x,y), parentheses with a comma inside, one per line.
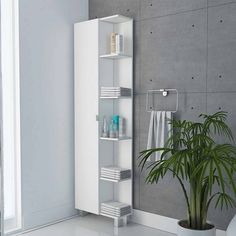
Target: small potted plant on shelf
(192,155)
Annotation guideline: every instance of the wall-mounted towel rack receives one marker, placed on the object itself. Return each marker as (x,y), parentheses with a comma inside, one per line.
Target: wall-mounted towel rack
(165,93)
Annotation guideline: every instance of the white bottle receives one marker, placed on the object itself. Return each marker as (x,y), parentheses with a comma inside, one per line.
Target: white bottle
(119,44)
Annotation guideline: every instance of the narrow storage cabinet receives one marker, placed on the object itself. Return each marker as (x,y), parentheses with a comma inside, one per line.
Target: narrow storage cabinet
(104,94)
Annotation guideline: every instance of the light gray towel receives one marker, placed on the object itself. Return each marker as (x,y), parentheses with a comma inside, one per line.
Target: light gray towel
(159,131)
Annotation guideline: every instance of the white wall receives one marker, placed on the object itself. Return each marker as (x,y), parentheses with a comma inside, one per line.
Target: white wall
(46,75)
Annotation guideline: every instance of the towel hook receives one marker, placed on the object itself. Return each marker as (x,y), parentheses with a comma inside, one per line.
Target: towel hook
(164,92)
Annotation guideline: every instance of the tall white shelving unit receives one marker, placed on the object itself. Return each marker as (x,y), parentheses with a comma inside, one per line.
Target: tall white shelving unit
(95,67)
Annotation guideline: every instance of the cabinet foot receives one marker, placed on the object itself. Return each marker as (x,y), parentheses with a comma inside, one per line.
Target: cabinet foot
(120,222)
(83,213)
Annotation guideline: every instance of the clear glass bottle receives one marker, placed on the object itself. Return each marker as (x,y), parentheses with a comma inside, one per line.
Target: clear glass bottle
(122,127)
(105,128)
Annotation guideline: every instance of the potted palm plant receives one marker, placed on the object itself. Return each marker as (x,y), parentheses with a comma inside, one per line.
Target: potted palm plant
(192,155)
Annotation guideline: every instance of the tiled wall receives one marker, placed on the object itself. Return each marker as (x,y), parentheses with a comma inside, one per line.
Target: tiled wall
(185,44)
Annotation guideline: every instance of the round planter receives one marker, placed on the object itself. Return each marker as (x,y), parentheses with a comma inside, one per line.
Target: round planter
(182,231)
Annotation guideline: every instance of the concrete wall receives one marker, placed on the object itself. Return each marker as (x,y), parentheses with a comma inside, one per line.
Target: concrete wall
(47,130)
(185,44)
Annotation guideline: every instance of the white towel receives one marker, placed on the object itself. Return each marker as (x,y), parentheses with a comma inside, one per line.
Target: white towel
(159,131)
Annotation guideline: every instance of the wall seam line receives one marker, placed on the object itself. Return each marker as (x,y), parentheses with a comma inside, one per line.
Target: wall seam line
(171,14)
(207,58)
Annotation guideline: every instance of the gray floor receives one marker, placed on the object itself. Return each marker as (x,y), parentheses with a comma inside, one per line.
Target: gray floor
(92,225)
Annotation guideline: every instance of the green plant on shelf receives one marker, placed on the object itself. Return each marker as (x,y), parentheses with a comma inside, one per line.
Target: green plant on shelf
(192,156)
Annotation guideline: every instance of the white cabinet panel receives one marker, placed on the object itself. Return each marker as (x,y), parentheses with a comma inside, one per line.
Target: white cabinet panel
(86,110)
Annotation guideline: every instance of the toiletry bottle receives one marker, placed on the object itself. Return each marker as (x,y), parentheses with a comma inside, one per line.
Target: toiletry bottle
(119,44)
(105,128)
(113,43)
(116,125)
(111,129)
(122,127)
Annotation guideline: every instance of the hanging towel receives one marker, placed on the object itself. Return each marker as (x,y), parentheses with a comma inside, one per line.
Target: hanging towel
(159,131)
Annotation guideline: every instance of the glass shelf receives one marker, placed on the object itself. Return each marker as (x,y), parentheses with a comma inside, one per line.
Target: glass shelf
(116,97)
(115,56)
(114,180)
(115,139)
